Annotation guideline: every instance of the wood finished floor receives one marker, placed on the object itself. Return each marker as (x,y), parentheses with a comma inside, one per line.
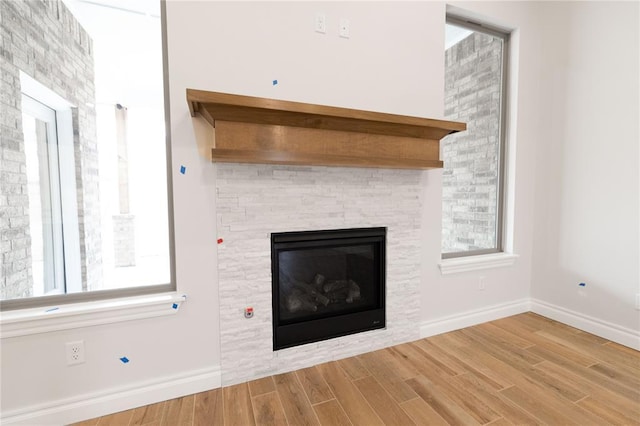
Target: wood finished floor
(524,369)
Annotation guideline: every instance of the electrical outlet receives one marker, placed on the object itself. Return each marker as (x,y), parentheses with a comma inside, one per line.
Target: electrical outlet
(75,352)
(321,23)
(481,283)
(345,28)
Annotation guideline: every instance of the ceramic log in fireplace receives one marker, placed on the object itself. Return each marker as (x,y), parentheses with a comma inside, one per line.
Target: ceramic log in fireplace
(327,284)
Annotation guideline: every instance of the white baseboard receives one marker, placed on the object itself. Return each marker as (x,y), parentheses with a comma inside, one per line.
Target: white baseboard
(615,333)
(98,404)
(469,318)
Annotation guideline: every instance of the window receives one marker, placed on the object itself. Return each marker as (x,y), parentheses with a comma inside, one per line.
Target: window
(84,199)
(473,175)
(45,206)
(49,167)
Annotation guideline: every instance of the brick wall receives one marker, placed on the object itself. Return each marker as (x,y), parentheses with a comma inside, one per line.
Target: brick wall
(44,40)
(472,95)
(252,201)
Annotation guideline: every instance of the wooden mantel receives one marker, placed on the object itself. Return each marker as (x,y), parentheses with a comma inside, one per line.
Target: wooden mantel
(258,130)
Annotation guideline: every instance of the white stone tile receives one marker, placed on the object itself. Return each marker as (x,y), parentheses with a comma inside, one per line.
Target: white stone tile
(252,201)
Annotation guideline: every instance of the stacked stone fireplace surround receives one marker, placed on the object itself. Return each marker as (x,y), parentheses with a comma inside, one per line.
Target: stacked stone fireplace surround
(253,201)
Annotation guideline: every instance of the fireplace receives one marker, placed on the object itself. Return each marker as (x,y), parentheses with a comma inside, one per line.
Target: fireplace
(327,284)
(253,201)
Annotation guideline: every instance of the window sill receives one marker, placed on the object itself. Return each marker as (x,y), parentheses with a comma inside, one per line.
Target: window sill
(475,263)
(76,315)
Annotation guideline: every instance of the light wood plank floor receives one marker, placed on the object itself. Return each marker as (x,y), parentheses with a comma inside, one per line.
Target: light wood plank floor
(525,369)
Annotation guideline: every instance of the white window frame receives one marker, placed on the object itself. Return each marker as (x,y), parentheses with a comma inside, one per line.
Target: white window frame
(36,98)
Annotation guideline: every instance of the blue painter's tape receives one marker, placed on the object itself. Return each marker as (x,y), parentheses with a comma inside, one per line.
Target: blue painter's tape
(124,359)
(183,169)
(52,309)
(275,82)
(582,285)
(175,306)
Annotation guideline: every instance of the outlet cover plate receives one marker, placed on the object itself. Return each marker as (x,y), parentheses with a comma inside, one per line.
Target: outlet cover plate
(321,23)
(345,28)
(75,352)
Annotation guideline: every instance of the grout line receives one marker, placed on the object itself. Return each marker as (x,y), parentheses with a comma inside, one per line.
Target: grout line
(133,410)
(223,416)
(435,361)
(345,411)
(253,406)
(165,407)
(262,378)
(145,408)
(193,415)
(253,412)
(367,401)
(505,388)
(334,394)
(408,400)
(522,408)
(329,387)
(304,391)
(544,361)
(410,366)
(286,419)
(400,404)
(322,402)
(249,390)
(493,421)
(583,398)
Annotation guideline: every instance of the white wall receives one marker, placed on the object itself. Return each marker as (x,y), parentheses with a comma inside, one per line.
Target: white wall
(392,63)
(586,216)
(456,297)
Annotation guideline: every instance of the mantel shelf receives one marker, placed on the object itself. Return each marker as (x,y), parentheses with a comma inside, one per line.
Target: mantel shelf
(258,130)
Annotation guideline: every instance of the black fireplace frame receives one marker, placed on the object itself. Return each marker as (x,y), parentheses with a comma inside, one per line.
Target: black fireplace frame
(288,334)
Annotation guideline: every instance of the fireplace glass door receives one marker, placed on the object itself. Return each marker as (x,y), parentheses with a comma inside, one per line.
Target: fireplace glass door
(327,284)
